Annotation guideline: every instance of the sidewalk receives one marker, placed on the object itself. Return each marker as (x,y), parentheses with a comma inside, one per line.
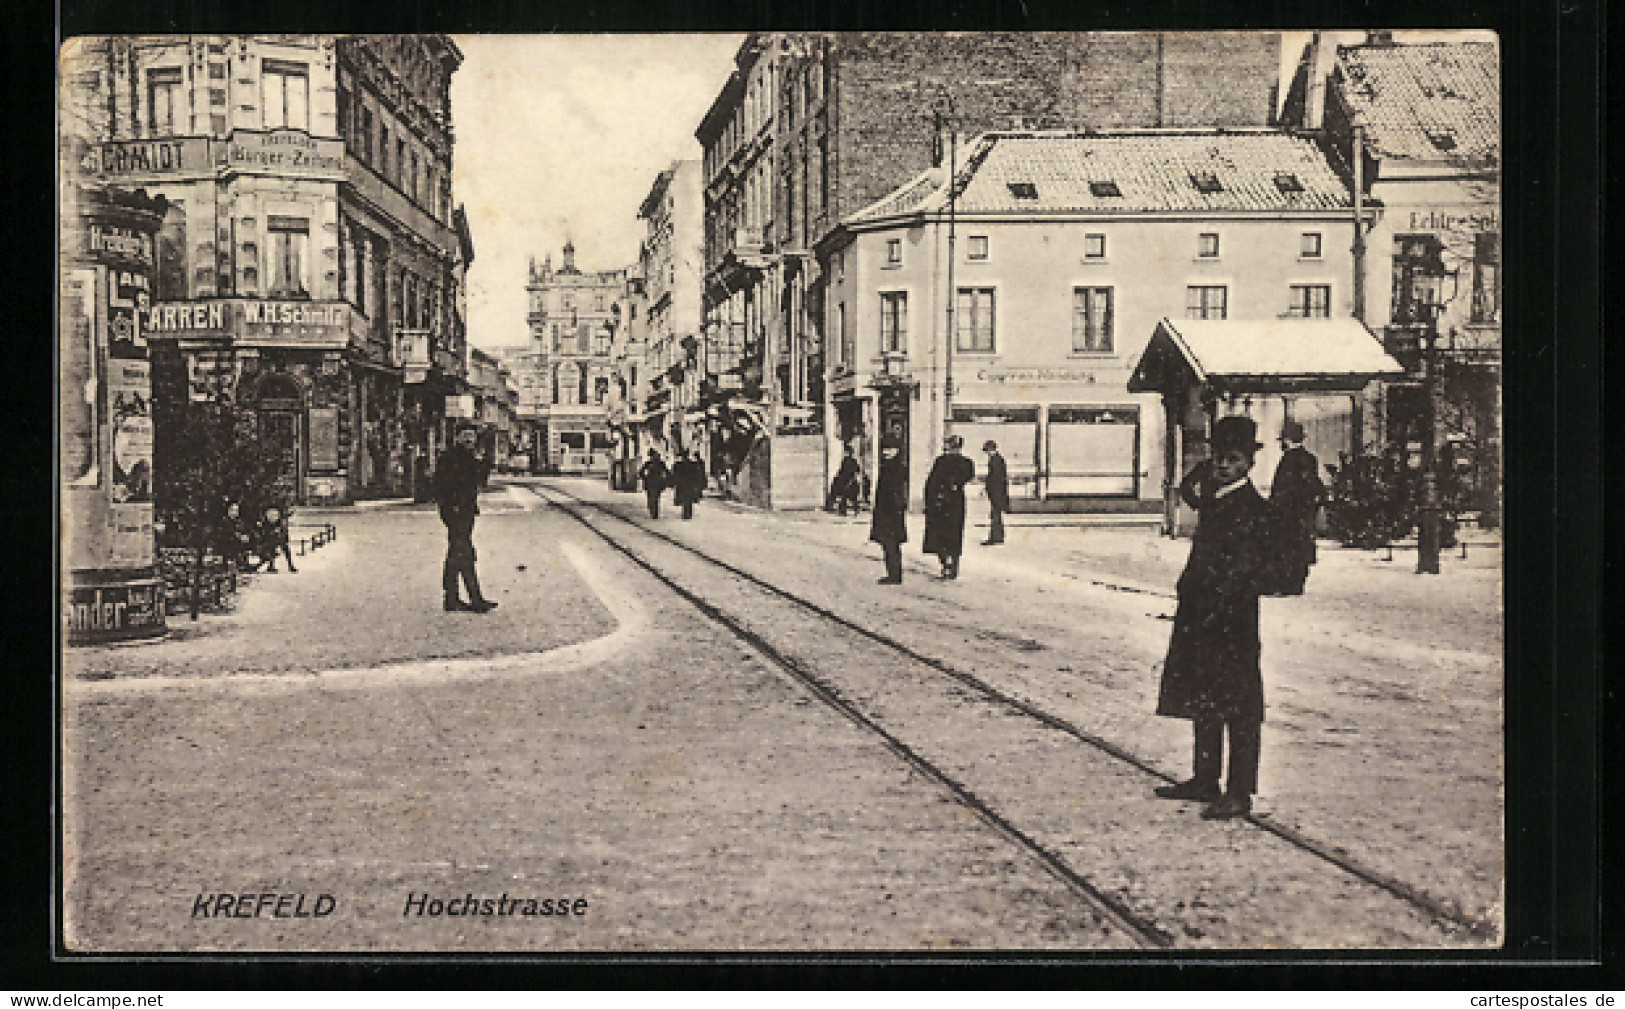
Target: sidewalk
(372,597)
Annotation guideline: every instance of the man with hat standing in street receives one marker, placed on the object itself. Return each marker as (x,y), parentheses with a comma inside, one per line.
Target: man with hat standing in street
(1211,675)
(458,475)
(1296,494)
(945,505)
(887,524)
(998,493)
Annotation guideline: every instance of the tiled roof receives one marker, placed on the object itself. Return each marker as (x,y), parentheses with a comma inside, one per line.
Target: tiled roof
(1425,102)
(1146,172)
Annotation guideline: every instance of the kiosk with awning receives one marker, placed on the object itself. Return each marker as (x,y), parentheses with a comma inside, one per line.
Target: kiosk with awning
(1313,371)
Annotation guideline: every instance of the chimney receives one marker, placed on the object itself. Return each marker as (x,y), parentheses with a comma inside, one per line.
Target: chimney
(1379,38)
(569,256)
(1314,100)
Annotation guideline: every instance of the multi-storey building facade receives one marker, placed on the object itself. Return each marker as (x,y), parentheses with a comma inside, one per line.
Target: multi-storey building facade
(672,265)
(1418,128)
(811,128)
(572,322)
(1019,310)
(531,390)
(307,266)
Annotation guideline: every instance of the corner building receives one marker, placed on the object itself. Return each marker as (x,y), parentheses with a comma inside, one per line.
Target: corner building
(573,317)
(813,127)
(307,269)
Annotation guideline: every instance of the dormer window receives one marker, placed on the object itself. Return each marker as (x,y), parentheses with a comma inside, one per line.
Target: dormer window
(1444,140)
(1286,182)
(1206,182)
(1023,190)
(1106,188)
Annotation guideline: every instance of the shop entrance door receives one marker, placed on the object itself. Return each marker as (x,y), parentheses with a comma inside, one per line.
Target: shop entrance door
(281,433)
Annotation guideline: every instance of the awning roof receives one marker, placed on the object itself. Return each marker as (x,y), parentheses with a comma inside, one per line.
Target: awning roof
(1263,355)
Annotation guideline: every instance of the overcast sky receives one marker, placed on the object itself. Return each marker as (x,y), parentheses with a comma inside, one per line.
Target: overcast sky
(561,136)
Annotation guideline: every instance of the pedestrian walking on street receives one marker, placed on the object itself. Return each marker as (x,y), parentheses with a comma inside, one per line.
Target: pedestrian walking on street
(1297,494)
(271,536)
(1211,675)
(998,493)
(945,505)
(688,474)
(458,475)
(843,490)
(888,525)
(655,477)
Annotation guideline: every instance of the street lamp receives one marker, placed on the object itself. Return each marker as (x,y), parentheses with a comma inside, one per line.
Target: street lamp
(953,206)
(1431,299)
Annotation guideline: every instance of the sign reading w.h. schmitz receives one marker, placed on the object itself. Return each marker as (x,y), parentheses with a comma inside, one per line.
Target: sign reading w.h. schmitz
(247,320)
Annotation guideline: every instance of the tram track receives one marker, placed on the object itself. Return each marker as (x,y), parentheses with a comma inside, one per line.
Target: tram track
(1137,926)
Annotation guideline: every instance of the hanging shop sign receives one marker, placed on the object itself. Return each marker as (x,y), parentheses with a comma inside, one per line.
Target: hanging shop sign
(117,245)
(249,322)
(1454,220)
(287,153)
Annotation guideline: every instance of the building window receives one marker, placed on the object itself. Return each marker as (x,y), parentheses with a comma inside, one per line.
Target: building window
(976,247)
(1205,302)
(366,135)
(290,242)
(1487,277)
(1206,182)
(1092,320)
(1207,245)
(1104,189)
(412,181)
(1094,246)
(1311,301)
(217,71)
(894,251)
(823,171)
(973,319)
(1309,245)
(286,89)
(1417,270)
(843,336)
(400,164)
(163,100)
(894,322)
(598,301)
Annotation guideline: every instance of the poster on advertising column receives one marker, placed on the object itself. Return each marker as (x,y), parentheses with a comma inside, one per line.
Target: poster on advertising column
(79,398)
(130,396)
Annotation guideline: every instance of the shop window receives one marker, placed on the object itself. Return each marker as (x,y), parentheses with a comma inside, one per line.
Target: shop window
(1487,277)
(973,320)
(976,247)
(1092,320)
(163,100)
(289,247)
(1310,301)
(1207,245)
(1309,245)
(286,95)
(1094,246)
(1417,271)
(894,322)
(1206,301)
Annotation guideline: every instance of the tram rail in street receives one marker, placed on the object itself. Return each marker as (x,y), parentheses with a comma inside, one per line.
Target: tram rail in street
(1148,934)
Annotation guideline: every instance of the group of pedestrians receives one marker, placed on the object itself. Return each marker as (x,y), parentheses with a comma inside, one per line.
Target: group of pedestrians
(944,505)
(686,478)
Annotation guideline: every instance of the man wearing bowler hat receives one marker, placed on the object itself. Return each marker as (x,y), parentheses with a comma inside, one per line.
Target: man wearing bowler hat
(457,478)
(888,525)
(1211,675)
(998,493)
(1296,494)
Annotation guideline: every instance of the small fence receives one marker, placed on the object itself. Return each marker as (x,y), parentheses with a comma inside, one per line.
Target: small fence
(194,586)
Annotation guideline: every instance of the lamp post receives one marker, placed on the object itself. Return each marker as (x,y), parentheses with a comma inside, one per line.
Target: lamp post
(1427,534)
(953,207)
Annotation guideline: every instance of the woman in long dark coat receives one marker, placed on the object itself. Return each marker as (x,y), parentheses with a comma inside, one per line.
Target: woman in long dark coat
(887,526)
(1211,675)
(945,505)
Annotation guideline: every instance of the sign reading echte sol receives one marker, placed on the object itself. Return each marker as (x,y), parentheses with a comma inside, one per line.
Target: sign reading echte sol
(284,152)
(307,323)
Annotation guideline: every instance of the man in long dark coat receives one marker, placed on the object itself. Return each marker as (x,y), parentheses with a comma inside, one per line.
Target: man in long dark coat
(458,475)
(888,525)
(1297,494)
(1211,675)
(945,505)
(998,493)
(655,476)
(688,474)
(843,490)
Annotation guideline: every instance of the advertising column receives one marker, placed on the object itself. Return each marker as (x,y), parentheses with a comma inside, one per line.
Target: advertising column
(114,589)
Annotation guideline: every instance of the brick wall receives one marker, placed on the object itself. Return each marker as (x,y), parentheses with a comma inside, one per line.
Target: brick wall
(888,85)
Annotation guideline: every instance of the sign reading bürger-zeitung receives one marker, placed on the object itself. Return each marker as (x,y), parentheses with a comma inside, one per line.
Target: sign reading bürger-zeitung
(283,153)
